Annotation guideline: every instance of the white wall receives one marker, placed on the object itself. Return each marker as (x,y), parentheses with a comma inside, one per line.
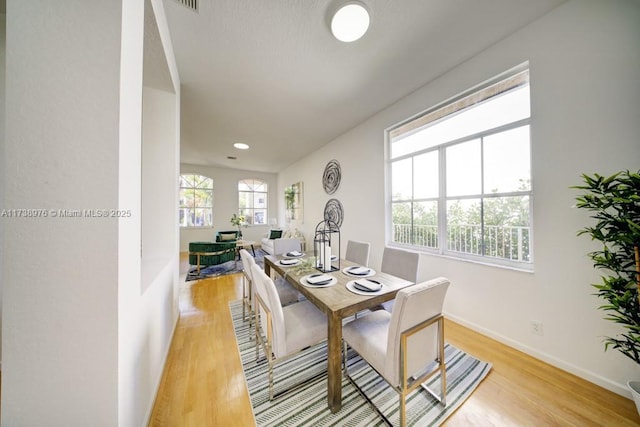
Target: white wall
(147,311)
(82,344)
(158,210)
(585,61)
(60,324)
(225,203)
(3,40)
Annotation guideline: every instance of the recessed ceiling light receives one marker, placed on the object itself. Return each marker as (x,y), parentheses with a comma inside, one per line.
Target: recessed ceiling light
(350,22)
(241,146)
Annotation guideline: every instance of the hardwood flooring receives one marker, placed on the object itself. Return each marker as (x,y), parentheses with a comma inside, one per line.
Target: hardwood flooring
(203,383)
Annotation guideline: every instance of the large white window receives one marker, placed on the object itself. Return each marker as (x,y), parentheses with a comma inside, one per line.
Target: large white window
(252,196)
(196,201)
(461,175)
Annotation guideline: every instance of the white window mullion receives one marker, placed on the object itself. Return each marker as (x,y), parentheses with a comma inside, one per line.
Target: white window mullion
(442,201)
(483,240)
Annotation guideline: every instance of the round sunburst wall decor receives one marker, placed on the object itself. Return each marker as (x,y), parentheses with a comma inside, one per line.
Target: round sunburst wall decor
(333,212)
(331,177)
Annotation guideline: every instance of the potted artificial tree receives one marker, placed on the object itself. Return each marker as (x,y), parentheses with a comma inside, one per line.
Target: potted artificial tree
(615,205)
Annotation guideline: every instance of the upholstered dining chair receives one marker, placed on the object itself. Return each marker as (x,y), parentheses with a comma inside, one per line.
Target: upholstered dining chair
(287,293)
(402,345)
(280,247)
(248,290)
(400,263)
(287,330)
(358,252)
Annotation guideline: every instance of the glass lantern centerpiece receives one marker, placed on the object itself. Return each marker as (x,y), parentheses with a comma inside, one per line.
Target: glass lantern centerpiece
(326,246)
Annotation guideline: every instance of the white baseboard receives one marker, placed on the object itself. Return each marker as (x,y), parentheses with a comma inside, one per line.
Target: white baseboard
(594,378)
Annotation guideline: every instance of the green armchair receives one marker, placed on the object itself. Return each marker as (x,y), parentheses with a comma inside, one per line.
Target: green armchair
(211,253)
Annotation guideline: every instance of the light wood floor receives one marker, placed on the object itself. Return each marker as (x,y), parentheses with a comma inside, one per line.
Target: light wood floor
(203,383)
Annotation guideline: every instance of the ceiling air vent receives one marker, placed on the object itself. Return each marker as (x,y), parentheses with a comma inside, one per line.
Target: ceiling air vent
(191,4)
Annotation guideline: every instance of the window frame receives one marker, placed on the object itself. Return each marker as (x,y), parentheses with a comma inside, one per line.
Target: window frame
(181,206)
(253,209)
(443,199)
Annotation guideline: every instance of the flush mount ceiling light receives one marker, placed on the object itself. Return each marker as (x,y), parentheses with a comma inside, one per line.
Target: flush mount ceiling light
(350,22)
(241,146)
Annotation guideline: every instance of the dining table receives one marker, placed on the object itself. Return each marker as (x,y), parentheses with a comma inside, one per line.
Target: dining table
(337,301)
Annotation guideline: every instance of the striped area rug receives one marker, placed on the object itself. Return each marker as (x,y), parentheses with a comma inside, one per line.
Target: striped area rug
(307,406)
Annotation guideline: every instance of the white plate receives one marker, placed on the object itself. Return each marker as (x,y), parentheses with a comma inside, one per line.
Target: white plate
(291,256)
(371,272)
(352,288)
(304,282)
(297,261)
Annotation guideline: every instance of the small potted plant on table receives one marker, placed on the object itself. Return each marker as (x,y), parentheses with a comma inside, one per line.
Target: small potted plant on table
(239,221)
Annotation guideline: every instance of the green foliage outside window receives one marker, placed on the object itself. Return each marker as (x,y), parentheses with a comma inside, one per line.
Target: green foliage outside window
(196,201)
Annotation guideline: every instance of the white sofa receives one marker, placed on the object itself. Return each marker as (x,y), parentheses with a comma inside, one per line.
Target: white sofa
(271,246)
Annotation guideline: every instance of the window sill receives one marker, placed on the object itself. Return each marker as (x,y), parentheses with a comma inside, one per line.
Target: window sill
(487,262)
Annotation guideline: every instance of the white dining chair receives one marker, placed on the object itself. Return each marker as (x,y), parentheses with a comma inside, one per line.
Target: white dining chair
(285,330)
(400,263)
(402,345)
(358,252)
(287,293)
(247,284)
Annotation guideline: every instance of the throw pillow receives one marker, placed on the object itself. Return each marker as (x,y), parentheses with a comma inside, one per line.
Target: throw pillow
(275,234)
(225,237)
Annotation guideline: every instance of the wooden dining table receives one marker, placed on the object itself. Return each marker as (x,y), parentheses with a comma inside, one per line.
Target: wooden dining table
(338,303)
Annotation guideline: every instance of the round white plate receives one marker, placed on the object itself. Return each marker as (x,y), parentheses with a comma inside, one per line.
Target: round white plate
(297,261)
(352,288)
(304,282)
(371,272)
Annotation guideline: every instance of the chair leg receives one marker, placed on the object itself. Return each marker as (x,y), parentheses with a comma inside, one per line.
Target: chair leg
(443,386)
(252,314)
(247,303)
(257,329)
(244,297)
(358,389)
(344,358)
(270,362)
(403,410)
(443,368)
(252,317)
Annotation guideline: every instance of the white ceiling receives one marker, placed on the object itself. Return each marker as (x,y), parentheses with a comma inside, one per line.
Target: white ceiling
(270,74)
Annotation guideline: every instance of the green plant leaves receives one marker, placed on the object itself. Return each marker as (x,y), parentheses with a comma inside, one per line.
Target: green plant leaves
(615,205)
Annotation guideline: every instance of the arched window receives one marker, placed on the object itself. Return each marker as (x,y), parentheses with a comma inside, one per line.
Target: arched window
(196,201)
(252,198)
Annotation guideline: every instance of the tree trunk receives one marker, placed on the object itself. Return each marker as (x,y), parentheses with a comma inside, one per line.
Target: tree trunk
(635,249)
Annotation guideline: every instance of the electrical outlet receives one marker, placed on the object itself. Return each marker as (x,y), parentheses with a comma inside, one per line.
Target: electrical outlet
(536,327)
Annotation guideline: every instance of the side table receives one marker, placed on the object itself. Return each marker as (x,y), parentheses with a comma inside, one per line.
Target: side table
(243,244)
